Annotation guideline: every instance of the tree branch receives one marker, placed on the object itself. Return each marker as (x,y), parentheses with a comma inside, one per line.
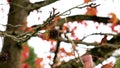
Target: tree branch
(92,5)
(115,39)
(73,18)
(21,38)
(40,4)
(26,36)
(99,54)
(8,34)
(98,34)
(56,53)
(74,49)
(90,44)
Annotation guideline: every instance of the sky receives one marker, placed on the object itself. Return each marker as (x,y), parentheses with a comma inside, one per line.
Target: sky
(43,47)
(106,7)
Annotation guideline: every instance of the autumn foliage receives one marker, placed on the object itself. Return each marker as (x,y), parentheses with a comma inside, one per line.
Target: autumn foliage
(56,32)
(29,58)
(114,21)
(51,34)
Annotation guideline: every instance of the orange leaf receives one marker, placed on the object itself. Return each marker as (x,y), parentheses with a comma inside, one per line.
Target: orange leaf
(69,53)
(114,20)
(37,62)
(86,1)
(91,11)
(109,65)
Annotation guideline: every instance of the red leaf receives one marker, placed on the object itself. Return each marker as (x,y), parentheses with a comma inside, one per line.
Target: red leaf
(49,57)
(113,28)
(62,50)
(104,40)
(65,28)
(85,24)
(97,27)
(25,52)
(38,60)
(52,49)
(25,65)
(72,31)
(79,21)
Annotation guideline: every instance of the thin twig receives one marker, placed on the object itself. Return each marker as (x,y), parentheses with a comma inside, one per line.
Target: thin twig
(110,34)
(14,26)
(20,38)
(26,36)
(78,6)
(75,51)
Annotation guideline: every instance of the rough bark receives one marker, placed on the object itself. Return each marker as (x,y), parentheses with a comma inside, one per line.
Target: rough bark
(11,51)
(10,56)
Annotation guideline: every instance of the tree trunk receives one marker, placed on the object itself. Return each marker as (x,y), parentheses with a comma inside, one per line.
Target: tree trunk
(10,56)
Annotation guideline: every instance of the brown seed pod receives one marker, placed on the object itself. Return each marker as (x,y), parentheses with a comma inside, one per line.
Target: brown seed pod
(53,34)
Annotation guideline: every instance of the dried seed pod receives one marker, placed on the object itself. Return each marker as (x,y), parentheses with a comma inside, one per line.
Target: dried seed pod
(53,34)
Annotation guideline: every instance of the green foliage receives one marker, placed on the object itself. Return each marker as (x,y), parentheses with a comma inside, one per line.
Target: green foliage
(117,65)
(32,56)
